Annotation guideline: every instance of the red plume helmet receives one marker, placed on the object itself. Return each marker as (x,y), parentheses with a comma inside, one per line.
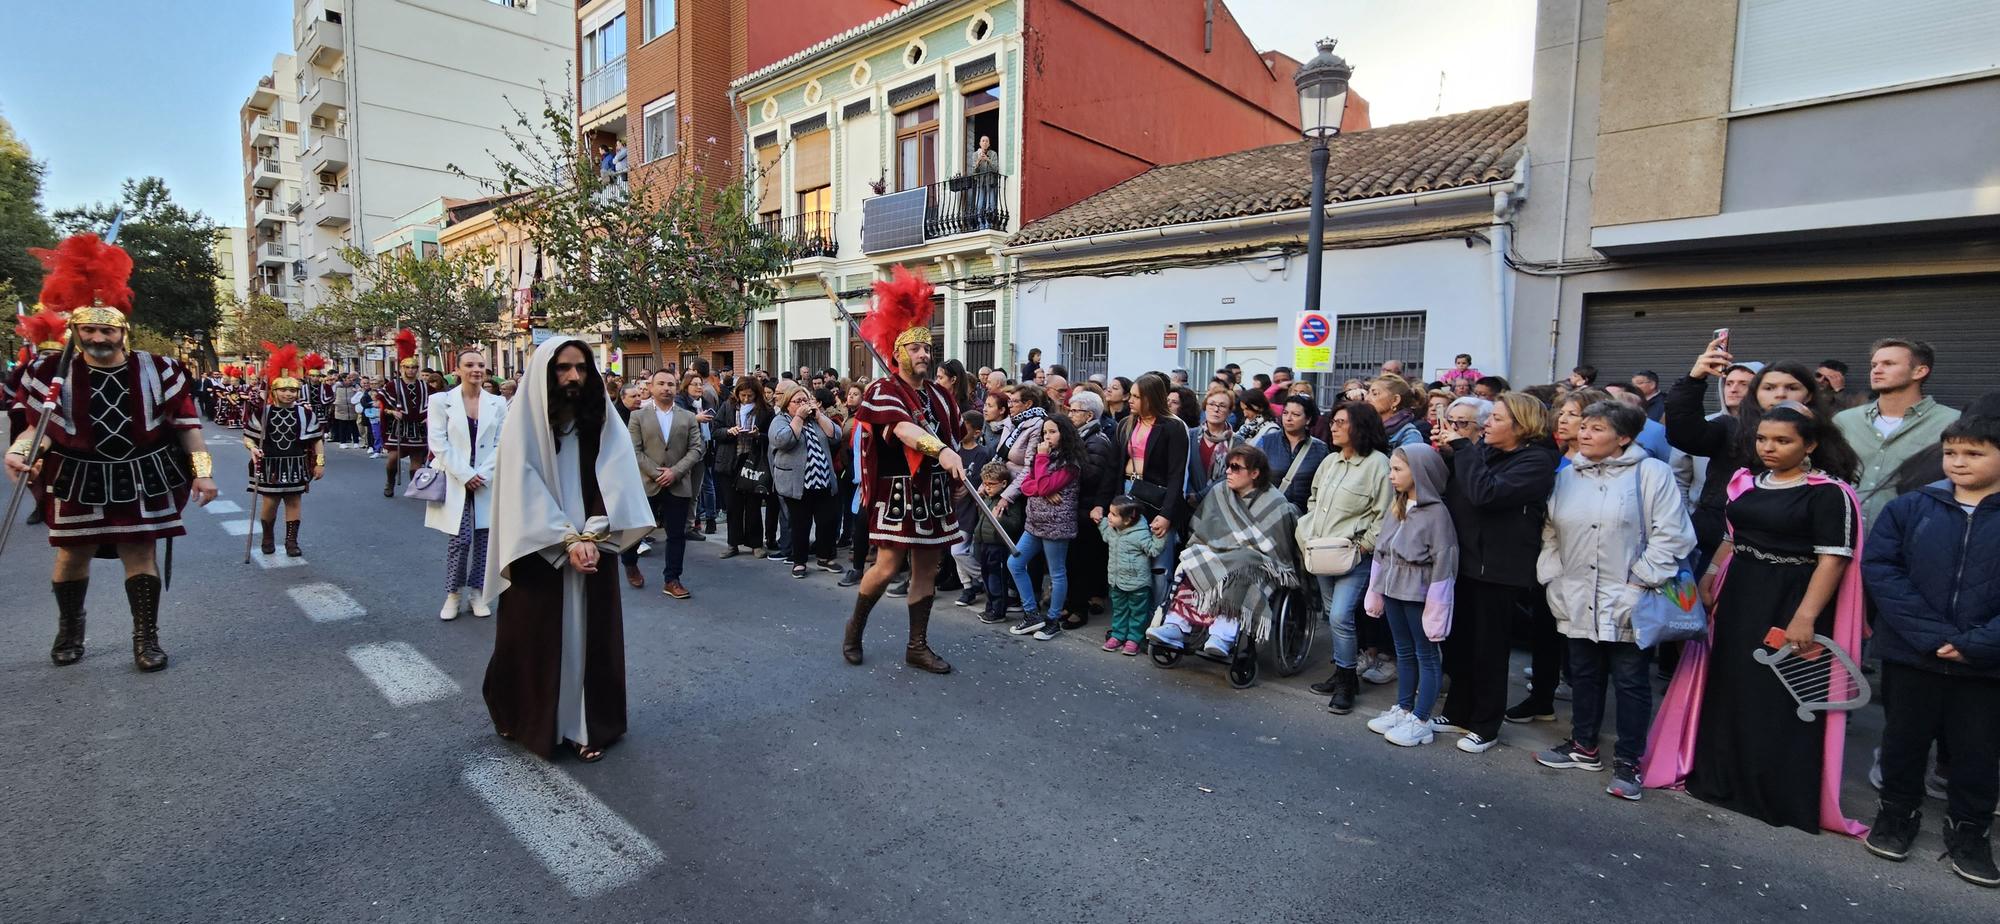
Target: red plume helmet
(234,372)
(282,368)
(89,279)
(43,330)
(902,305)
(313,362)
(406,348)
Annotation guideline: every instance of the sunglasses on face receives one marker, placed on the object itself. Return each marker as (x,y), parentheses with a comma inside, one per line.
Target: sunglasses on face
(1462,424)
(1237,467)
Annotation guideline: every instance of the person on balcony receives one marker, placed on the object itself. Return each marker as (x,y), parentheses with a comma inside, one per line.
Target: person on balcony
(985,169)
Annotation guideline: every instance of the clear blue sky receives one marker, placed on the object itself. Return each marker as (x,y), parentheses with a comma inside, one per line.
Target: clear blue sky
(102,90)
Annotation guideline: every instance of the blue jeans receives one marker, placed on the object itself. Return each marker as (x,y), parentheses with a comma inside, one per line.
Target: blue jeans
(994,572)
(1418,672)
(706,509)
(1056,553)
(1588,662)
(1343,593)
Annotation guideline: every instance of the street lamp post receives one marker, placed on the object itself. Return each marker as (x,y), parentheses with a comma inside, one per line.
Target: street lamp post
(1322,84)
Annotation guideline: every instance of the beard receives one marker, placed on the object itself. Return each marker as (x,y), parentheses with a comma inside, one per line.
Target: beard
(102,352)
(573,391)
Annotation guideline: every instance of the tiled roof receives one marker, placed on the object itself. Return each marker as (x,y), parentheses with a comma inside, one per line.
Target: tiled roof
(1465,149)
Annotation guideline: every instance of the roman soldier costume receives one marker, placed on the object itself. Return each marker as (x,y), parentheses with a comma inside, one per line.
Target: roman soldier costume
(229,412)
(285,437)
(318,389)
(45,330)
(406,432)
(117,462)
(906,495)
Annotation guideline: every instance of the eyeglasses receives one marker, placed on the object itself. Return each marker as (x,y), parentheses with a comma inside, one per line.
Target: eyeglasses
(1462,424)
(1237,467)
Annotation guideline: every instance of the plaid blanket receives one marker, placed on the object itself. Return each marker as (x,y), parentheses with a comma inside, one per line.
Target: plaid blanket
(1240,551)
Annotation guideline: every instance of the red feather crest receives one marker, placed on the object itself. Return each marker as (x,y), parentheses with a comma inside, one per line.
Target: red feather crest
(234,372)
(900,304)
(27,355)
(313,362)
(284,361)
(406,344)
(44,326)
(85,271)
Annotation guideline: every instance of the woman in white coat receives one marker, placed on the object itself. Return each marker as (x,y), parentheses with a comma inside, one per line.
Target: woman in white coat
(465,444)
(1616,530)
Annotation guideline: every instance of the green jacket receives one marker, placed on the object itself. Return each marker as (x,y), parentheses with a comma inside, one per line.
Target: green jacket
(1880,456)
(1014,518)
(1132,552)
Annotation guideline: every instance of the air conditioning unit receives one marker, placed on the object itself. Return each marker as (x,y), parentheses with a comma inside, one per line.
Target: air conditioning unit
(328,178)
(319,121)
(262,193)
(521,4)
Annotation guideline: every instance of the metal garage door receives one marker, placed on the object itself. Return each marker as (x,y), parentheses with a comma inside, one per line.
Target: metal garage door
(1663,331)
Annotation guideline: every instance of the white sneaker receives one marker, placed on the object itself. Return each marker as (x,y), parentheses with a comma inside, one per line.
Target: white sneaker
(1475,744)
(449,611)
(479,607)
(1389,719)
(1411,733)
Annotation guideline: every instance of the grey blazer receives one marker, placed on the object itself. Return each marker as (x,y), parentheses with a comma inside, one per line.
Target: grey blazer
(788,455)
(679,450)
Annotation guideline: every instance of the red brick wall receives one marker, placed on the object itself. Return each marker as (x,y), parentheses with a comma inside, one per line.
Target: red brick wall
(1114,87)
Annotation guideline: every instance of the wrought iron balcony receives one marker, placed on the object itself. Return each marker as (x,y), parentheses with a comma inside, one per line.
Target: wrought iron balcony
(809,234)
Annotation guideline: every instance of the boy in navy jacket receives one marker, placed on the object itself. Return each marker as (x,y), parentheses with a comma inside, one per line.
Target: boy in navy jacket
(1929,565)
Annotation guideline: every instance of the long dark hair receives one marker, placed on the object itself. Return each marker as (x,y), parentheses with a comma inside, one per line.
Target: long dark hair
(1831,453)
(1250,399)
(961,387)
(1750,412)
(1069,445)
(1151,390)
(1365,433)
(588,407)
(1190,407)
(759,401)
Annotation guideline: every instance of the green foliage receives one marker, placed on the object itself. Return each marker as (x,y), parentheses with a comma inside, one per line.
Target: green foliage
(444,299)
(676,261)
(173,256)
(21,223)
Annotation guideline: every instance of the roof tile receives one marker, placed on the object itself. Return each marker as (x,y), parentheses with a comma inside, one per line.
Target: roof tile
(1442,153)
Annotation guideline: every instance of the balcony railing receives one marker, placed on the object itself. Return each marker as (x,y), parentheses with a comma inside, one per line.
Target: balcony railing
(960,205)
(599,86)
(805,235)
(974,202)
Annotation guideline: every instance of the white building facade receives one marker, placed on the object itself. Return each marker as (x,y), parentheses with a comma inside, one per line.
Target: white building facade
(396,93)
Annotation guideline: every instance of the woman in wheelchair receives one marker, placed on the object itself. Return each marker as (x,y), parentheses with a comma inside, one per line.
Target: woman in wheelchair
(1240,555)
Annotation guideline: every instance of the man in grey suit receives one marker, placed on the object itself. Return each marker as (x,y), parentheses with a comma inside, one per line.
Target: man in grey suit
(667,440)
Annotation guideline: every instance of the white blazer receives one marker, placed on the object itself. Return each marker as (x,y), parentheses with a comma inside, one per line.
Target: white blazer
(451,452)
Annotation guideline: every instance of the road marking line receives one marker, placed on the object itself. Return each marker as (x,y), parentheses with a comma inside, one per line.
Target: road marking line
(325,602)
(222,507)
(404,676)
(236,527)
(581,841)
(279,560)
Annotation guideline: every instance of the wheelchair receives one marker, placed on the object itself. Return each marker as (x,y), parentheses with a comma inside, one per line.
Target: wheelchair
(1282,642)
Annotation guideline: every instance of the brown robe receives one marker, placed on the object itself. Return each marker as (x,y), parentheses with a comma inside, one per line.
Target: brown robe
(525,674)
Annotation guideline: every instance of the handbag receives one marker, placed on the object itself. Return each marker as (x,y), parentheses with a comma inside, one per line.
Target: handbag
(1329,556)
(1671,612)
(426,484)
(753,480)
(1151,496)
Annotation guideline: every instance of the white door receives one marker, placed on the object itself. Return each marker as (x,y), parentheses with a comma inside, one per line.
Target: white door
(1251,345)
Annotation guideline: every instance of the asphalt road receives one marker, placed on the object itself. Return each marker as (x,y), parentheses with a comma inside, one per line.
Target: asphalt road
(265,777)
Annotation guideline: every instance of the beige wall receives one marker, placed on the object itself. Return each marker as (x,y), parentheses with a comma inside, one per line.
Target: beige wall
(1661,139)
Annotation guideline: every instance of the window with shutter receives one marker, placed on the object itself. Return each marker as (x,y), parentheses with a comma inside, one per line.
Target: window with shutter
(768,181)
(1792,50)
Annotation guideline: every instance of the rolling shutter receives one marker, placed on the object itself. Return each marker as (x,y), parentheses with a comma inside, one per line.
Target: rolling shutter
(768,179)
(1663,331)
(812,161)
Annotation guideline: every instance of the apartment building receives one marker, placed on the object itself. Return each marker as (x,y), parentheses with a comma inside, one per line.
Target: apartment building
(393,94)
(927,136)
(653,80)
(1812,176)
(232,283)
(270,126)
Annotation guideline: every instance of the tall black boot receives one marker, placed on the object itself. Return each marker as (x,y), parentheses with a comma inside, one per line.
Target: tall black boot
(850,645)
(143,592)
(389,479)
(270,543)
(69,621)
(918,654)
(292,548)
